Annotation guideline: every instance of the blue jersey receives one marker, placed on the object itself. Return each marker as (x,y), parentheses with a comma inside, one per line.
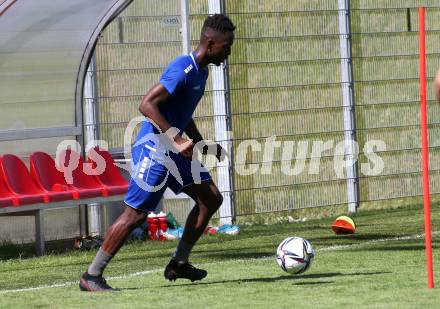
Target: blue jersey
(155,167)
(185,81)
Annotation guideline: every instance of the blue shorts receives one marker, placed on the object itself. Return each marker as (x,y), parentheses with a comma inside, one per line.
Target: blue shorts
(153,171)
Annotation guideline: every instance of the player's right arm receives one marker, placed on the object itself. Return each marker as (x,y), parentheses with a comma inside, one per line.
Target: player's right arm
(437,86)
(149,107)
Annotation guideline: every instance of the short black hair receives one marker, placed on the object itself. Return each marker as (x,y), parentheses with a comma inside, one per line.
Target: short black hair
(218,22)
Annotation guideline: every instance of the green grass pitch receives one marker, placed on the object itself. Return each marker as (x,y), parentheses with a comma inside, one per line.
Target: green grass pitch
(381,266)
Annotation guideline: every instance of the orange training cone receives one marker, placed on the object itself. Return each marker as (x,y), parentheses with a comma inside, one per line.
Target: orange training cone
(343,225)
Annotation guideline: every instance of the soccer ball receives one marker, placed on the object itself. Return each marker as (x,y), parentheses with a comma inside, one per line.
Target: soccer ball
(295,255)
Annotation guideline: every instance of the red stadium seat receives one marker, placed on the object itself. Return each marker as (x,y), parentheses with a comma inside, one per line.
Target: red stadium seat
(48,178)
(86,185)
(7,198)
(19,181)
(111,177)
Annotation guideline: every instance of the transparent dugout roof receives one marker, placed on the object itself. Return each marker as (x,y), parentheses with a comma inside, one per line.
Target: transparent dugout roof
(45,46)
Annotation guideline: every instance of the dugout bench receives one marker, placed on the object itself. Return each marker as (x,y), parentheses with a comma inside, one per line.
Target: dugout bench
(31,192)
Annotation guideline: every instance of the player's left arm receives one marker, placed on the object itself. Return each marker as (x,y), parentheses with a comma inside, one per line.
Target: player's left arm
(193,133)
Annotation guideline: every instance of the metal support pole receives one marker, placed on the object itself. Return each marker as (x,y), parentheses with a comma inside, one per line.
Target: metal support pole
(39,232)
(186,49)
(185,31)
(83,222)
(222,123)
(91,116)
(349,105)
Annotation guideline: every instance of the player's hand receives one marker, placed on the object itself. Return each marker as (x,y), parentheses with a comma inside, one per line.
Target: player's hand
(220,153)
(184,146)
(437,86)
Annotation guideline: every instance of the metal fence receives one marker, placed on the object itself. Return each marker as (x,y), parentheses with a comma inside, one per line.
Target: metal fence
(291,86)
(303,76)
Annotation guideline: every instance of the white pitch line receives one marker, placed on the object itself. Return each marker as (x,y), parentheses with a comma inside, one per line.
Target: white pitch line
(60,285)
(146,272)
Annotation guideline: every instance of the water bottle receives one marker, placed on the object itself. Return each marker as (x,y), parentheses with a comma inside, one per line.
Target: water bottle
(153,226)
(163,225)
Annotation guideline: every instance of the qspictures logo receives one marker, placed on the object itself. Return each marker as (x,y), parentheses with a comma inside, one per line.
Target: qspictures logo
(294,157)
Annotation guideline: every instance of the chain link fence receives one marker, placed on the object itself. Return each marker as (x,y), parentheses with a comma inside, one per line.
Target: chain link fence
(285,93)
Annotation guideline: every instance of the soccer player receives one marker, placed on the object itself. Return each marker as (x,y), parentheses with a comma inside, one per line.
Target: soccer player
(168,107)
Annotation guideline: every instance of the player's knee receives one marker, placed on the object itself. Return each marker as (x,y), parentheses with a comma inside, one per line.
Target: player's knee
(133,220)
(213,203)
(141,218)
(218,200)
(134,223)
